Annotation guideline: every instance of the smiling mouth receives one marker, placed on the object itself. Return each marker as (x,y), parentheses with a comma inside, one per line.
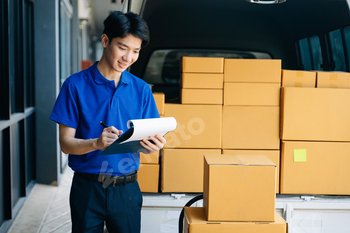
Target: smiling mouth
(122,65)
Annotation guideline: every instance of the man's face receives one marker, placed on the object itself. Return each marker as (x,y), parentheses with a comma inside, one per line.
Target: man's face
(121,52)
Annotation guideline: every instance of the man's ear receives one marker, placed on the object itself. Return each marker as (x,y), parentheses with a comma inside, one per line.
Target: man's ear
(104,40)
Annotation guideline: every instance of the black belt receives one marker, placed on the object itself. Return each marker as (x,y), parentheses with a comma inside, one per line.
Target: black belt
(108,179)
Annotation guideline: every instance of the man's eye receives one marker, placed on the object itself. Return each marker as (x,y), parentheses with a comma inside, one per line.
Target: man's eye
(122,48)
(136,51)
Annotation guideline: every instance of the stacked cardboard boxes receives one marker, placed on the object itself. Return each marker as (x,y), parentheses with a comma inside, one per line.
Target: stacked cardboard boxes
(249,123)
(148,173)
(249,119)
(199,125)
(251,104)
(202,80)
(238,196)
(315,132)
(251,108)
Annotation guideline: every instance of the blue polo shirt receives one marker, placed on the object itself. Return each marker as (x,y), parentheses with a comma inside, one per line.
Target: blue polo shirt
(86,98)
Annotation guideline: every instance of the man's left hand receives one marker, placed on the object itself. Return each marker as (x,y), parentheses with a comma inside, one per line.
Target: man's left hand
(158,143)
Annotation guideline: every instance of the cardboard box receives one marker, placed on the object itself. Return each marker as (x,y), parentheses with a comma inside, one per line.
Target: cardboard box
(239,188)
(152,158)
(250,127)
(273,155)
(252,94)
(182,169)
(148,177)
(321,168)
(198,126)
(195,222)
(333,80)
(160,101)
(202,80)
(201,96)
(252,70)
(316,114)
(203,65)
(296,78)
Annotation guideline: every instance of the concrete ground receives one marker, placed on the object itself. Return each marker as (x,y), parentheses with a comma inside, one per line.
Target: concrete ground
(46,209)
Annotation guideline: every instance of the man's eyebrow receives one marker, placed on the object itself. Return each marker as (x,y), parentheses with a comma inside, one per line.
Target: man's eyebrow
(121,43)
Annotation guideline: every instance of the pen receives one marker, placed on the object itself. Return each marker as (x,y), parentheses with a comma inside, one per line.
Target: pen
(106,126)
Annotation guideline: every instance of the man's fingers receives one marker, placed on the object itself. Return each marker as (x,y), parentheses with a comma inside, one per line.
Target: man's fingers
(161,139)
(149,146)
(158,140)
(112,129)
(110,133)
(154,144)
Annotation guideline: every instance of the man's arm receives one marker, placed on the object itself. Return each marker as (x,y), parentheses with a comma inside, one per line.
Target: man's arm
(71,145)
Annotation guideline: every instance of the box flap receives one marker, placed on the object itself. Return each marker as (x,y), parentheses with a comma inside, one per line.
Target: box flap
(195,215)
(221,159)
(255,160)
(248,160)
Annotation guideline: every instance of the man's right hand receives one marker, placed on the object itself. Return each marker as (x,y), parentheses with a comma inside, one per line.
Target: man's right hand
(107,137)
(71,145)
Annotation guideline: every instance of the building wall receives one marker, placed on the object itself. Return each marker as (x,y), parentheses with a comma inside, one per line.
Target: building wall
(39,48)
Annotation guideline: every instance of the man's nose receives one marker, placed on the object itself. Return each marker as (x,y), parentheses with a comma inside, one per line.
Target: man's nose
(128,57)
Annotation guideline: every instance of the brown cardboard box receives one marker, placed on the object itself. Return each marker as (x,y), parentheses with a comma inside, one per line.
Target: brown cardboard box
(201,96)
(315,168)
(296,78)
(148,177)
(333,80)
(203,65)
(160,101)
(195,222)
(152,158)
(252,70)
(252,94)
(316,114)
(182,169)
(273,155)
(239,188)
(202,80)
(198,126)
(250,127)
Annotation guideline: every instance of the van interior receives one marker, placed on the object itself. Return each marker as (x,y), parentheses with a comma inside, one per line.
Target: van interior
(305,35)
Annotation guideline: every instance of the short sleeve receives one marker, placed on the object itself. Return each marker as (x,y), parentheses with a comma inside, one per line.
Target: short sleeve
(66,110)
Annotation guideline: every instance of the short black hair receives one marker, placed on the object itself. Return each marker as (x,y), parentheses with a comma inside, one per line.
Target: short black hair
(119,24)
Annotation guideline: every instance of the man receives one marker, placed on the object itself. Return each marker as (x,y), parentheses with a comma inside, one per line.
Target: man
(104,188)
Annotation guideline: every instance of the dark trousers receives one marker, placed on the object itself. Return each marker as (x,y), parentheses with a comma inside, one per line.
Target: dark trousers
(92,204)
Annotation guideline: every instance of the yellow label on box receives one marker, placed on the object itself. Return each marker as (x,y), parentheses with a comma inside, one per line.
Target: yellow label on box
(299,155)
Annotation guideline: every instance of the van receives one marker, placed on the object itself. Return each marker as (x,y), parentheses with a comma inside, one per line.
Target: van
(306,35)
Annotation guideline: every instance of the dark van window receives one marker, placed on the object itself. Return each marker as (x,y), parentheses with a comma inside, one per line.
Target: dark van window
(346,32)
(164,65)
(310,53)
(337,50)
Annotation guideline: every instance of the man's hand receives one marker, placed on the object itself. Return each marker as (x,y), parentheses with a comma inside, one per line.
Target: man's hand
(71,145)
(107,137)
(158,143)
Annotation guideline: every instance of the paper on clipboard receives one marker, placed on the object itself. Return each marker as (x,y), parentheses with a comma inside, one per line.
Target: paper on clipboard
(139,129)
